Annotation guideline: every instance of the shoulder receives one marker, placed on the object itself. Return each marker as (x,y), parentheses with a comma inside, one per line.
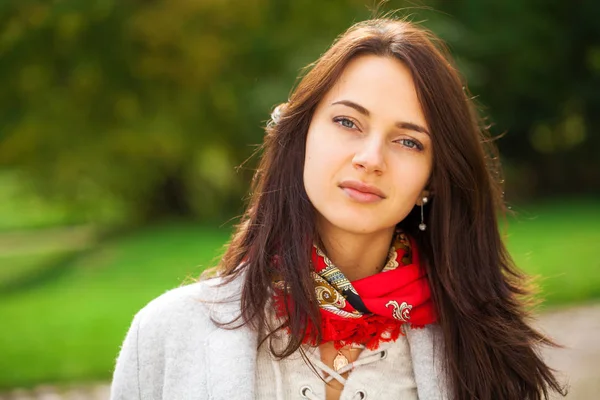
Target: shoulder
(200,304)
(167,335)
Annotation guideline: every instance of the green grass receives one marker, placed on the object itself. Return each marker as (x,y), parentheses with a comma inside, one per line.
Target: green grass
(30,256)
(69,328)
(22,269)
(557,243)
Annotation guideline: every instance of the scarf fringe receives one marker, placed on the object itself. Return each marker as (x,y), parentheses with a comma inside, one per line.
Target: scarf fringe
(368,330)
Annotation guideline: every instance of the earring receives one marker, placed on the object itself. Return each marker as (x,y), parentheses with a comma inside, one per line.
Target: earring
(422,225)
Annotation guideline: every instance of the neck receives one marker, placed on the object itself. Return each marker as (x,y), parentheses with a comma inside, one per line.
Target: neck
(357,256)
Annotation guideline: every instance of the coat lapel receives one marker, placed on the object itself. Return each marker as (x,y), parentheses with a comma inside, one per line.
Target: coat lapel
(426,353)
(231,364)
(230,353)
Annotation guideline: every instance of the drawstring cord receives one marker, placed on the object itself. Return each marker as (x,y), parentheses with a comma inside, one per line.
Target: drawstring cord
(361,361)
(307,392)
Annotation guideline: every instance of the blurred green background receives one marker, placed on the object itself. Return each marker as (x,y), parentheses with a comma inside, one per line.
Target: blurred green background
(122,124)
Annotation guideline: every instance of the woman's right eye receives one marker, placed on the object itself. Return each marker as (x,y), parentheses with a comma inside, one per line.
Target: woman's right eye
(345,122)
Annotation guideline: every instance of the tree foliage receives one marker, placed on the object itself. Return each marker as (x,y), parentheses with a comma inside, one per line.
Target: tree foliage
(152,104)
(536,67)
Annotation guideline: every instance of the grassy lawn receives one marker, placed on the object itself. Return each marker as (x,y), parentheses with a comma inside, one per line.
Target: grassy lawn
(17,270)
(556,242)
(70,327)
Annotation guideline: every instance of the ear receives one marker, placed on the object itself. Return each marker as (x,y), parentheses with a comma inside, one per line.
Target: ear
(424,193)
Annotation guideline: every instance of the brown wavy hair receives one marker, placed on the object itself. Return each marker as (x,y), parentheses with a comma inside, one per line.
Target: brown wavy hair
(490,350)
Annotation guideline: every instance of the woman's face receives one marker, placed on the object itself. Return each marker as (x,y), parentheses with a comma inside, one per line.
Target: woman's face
(368,150)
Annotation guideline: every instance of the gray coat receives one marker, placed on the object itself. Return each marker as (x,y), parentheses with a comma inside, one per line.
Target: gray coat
(174,351)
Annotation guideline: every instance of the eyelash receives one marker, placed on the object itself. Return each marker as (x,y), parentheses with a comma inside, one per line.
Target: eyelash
(414,143)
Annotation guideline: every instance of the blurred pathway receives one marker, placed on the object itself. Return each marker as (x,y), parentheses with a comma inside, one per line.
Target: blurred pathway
(576,328)
(95,392)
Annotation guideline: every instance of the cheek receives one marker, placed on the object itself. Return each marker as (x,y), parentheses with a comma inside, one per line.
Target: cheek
(314,165)
(324,164)
(311,161)
(410,182)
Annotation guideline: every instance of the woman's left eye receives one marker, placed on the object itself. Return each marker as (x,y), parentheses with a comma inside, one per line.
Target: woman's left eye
(411,144)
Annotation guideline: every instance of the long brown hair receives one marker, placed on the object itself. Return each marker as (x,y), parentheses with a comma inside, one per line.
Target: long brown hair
(490,351)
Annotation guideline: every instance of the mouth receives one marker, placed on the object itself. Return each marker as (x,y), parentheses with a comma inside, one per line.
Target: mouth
(362,192)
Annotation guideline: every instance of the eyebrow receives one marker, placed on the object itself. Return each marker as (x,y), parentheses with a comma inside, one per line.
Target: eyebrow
(400,124)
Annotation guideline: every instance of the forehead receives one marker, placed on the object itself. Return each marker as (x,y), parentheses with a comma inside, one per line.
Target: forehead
(383,85)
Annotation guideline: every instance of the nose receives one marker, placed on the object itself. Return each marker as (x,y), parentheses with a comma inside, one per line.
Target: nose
(370,156)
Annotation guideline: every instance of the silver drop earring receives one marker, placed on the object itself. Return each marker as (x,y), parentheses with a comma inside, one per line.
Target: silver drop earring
(422,225)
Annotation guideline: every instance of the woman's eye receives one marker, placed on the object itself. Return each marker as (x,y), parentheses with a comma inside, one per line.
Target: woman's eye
(345,122)
(411,144)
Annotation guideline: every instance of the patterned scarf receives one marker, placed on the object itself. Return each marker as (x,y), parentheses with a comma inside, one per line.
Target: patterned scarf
(373,309)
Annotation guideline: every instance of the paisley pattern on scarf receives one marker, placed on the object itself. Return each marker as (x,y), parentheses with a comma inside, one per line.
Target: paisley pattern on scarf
(330,299)
(332,279)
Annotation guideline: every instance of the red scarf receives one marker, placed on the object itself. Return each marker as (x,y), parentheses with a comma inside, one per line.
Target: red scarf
(373,309)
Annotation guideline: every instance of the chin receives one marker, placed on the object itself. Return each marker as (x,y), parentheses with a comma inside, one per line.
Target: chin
(354,224)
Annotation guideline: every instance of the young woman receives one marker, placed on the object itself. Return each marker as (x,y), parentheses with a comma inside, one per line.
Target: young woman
(369,262)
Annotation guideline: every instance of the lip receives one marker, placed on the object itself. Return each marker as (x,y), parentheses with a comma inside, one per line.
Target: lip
(362,192)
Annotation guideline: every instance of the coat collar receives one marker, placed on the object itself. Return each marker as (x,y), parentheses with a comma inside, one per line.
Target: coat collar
(427,354)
